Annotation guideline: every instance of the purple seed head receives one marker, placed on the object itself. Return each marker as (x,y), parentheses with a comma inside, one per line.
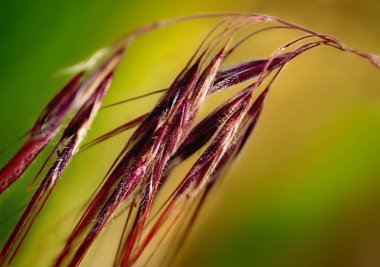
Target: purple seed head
(163,139)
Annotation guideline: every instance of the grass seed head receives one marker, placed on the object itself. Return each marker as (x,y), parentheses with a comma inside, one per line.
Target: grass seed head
(163,139)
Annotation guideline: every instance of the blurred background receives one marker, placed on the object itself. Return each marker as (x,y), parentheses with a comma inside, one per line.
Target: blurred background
(304,192)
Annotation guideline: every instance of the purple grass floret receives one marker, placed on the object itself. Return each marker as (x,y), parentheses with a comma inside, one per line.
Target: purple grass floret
(41,134)
(67,147)
(73,96)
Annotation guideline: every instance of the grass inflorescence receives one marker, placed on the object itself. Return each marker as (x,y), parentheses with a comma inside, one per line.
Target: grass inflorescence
(163,138)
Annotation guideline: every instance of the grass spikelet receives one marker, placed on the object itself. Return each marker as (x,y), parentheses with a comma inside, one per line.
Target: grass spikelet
(41,134)
(67,147)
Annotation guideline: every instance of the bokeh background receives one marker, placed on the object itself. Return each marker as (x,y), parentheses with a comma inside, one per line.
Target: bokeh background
(306,190)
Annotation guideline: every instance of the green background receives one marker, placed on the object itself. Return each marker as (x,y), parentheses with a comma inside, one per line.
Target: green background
(305,192)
